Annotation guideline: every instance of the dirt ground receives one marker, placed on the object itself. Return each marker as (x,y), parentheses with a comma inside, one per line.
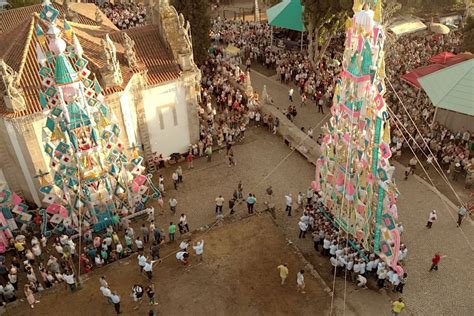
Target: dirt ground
(237,277)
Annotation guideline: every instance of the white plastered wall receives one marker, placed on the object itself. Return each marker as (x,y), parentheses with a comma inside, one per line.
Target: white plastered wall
(167,118)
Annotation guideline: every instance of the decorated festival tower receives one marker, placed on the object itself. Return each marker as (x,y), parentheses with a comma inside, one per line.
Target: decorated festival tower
(353,173)
(92,175)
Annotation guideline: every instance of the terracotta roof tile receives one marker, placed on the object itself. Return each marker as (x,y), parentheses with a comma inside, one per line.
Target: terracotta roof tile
(11,18)
(152,53)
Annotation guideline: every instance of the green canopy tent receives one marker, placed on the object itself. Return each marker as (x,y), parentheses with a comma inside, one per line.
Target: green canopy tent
(287,14)
(451,88)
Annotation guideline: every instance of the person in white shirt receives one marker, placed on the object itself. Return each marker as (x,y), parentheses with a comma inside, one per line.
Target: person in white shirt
(182,257)
(390,275)
(326,246)
(59,249)
(199,249)
(362,267)
(433,217)
(116,301)
(103,282)
(219,204)
(173,203)
(59,276)
(130,232)
(148,268)
(380,265)
(335,264)
(362,281)
(303,228)
(332,249)
(395,280)
(382,275)
(342,259)
(370,265)
(99,261)
(119,249)
(289,203)
(290,94)
(139,244)
(300,282)
(175,178)
(106,292)
(183,224)
(257,118)
(184,245)
(305,218)
(70,280)
(141,261)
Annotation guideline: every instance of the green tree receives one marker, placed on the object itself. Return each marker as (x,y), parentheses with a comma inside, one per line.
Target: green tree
(322,20)
(468,36)
(197,12)
(22,3)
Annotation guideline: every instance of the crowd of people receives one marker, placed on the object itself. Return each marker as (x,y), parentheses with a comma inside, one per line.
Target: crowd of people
(292,66)
(36,270)
(452,149)
(40,263)
(348,258)
(225,110)
(126,15)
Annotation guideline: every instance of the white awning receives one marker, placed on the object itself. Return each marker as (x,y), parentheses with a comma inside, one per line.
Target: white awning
(408,26)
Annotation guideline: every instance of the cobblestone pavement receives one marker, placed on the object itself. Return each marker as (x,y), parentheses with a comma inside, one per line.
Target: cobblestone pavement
(264,160)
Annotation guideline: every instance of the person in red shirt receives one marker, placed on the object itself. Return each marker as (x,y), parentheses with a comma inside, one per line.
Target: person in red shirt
(435,261)
(190,160)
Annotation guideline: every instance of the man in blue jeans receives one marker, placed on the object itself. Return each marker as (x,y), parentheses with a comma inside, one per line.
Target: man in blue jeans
(251,200)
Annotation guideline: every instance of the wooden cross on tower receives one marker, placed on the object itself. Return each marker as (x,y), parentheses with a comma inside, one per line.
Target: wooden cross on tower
(41,175)
(134,149)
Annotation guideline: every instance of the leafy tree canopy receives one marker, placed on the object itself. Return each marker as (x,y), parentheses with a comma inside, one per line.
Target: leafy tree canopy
(197,12)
